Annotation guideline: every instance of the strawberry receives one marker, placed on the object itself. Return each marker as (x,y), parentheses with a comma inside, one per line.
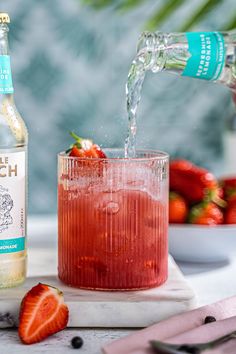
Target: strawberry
(85,148)
(194,183)
(230,213)
(178,208)
(206,214)
(42,313)
(228,185)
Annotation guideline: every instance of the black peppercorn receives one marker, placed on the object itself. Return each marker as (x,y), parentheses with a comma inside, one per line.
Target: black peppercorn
(77,342)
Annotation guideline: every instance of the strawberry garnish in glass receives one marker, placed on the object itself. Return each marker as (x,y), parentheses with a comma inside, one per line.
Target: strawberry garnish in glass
(84,148)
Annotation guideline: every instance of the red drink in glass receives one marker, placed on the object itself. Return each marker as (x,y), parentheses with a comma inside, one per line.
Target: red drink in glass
(113,220)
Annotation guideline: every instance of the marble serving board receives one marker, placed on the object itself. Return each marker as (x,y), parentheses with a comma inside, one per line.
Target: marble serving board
(104,309)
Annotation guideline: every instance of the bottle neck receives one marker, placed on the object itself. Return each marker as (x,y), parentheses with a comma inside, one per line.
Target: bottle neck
(203,55)
(6,87)
(163,51)
(4,48)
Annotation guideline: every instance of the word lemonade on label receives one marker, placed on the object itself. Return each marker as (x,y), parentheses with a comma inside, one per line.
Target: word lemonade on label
(207,58)
(12,205)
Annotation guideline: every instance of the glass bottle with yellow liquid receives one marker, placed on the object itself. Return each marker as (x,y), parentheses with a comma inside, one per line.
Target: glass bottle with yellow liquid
(13,174)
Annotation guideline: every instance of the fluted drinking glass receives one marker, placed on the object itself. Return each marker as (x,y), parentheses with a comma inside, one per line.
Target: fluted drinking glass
(112,220)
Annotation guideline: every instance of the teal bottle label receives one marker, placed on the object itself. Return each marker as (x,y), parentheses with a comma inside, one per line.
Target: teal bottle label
(12,245)
(6,85)
(207,52)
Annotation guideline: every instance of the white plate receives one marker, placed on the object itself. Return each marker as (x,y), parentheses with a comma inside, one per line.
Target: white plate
(195,243)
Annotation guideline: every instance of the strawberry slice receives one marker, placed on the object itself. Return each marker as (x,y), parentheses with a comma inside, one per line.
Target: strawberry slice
(42,313)
(85,148)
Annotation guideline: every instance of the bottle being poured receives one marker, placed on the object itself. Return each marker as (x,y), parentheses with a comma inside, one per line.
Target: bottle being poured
(208,56)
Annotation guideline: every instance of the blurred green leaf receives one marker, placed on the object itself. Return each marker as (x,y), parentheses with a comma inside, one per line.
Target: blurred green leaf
(127,5)
(199,14)
(98,4)
(163,13)
(231,24)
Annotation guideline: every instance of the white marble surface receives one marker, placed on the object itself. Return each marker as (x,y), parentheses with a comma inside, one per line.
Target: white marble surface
(210,282)
(60,342)
(98,308)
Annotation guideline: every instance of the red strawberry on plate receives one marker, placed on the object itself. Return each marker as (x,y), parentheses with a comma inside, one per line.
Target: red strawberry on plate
(178,208)
(228,185)
(230,213)
(42,313)
(206,214)
(194,183)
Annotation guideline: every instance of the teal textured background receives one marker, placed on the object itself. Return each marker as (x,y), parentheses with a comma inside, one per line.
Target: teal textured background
(70,65)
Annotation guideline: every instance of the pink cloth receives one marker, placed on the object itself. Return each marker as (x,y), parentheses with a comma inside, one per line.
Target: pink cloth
(187,327)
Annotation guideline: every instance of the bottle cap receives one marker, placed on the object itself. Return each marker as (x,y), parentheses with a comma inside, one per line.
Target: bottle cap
(4,17)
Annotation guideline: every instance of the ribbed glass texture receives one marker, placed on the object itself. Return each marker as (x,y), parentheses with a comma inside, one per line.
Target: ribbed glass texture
(113,219)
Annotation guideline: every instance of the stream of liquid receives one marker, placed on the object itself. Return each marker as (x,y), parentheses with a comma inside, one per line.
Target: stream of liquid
(143,62)
(133,95)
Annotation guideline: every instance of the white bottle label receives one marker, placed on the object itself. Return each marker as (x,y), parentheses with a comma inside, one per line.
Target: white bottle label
(12,201)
